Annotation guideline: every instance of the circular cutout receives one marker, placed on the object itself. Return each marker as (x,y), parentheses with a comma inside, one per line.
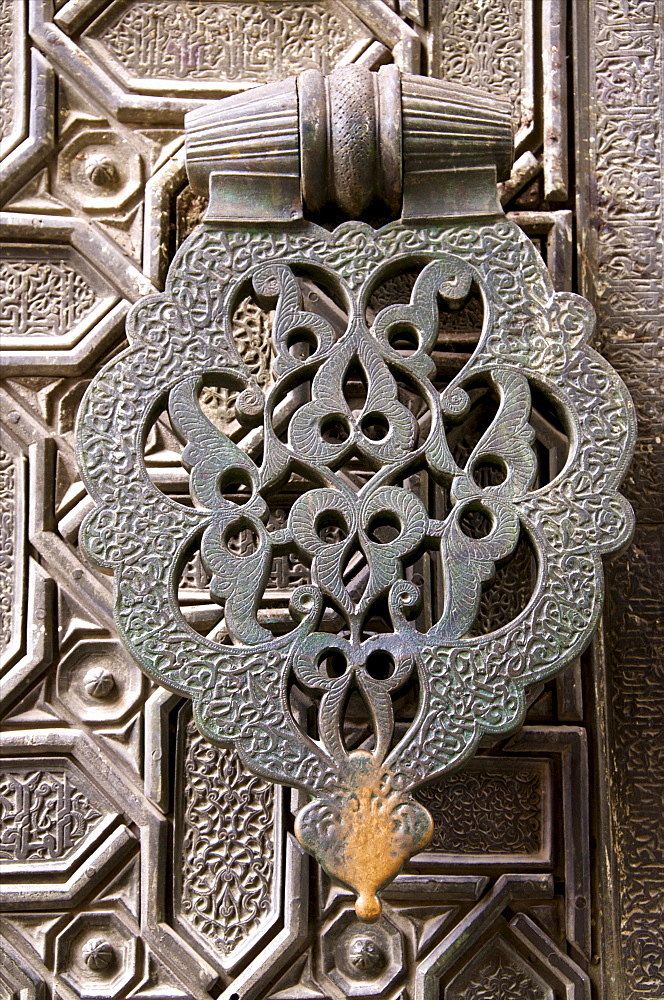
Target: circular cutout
(489,472)
(235,485)
(300,344)
(241,540)
(332,663)
(335,430)
(404,339)
(375,426)
(380,665)
(475,522)
(384,528)
(331,526)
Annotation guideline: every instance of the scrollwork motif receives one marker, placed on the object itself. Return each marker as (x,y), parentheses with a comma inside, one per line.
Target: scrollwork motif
(361,822)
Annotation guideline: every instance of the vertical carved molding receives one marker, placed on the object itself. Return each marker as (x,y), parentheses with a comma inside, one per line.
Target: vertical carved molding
(227,833)
(7,543)
(621,223)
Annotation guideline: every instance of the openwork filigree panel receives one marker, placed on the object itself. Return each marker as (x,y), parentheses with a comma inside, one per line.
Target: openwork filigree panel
(353,413)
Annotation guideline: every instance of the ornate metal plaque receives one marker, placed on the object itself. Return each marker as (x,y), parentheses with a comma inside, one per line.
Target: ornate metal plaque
(356,405)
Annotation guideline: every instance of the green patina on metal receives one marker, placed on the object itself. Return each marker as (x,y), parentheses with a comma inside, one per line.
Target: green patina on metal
(361,822)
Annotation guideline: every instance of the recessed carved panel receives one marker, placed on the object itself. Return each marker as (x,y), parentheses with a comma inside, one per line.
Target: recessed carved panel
(97,955)
(227,848)
(98,682)
(492,809)
(8,68)
(48,295)
(193,44)
(48,814)
(498,973)
(361,961)
(11,569)
(98,170)
(489,46)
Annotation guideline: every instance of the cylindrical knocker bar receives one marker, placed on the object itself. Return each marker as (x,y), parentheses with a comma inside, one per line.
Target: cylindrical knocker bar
(424,148)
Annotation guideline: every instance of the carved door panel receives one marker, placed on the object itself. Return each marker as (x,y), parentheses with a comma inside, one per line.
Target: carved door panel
(141,860)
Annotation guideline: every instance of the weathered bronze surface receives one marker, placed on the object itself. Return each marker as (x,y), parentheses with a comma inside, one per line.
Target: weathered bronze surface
(357,459)
(126,832)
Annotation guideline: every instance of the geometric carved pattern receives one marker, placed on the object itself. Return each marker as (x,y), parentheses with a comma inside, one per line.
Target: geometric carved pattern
(61,833)
(497,47)
(66,607)
(489,47)
(488,808)
(8,489)
(96,955)
(7,51)
(50,296)
(498,974)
